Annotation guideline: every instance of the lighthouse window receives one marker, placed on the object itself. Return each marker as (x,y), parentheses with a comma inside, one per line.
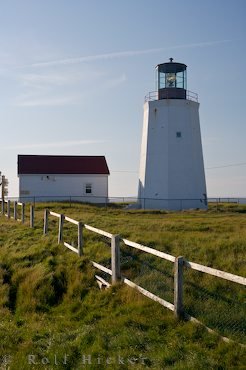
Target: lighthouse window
(178,134)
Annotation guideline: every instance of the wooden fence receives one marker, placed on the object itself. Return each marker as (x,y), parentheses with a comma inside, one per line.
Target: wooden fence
(115,271)
(15,213)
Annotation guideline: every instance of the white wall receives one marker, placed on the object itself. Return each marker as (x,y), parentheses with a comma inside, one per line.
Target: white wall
(171,167)
(51,187)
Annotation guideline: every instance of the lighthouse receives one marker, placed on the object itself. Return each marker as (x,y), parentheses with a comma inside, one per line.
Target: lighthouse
(171,174)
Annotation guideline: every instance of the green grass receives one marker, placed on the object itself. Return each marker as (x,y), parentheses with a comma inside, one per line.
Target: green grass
(50,304)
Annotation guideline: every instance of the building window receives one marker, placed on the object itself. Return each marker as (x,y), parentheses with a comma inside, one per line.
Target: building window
(178,134)
(88,188)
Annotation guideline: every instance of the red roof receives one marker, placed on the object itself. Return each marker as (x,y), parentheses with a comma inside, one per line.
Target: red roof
(62,164)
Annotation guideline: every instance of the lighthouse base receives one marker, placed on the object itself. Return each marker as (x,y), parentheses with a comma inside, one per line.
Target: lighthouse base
(173,205)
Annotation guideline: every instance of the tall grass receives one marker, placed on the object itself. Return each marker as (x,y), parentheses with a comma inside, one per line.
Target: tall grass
(51,306)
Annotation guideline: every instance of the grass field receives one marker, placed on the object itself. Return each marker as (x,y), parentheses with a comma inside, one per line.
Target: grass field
(53,316)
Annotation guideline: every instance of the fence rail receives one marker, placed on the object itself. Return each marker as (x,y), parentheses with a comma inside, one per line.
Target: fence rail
(62,218)
(149,250)
(98,231)
(211,271)
(115,272)
(148,294)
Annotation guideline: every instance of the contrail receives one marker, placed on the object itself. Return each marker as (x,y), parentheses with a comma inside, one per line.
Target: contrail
(122,54)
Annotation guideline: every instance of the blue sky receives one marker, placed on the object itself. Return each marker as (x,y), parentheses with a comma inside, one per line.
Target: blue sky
(73,76)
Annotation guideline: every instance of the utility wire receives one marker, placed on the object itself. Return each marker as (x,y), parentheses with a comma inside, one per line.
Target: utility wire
(228,165)
(207,168)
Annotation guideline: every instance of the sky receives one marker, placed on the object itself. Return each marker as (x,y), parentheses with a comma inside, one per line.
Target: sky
(73,76)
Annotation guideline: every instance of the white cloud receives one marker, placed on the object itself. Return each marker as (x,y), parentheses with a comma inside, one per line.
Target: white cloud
(50,89)
(39,80)
(60,144)
(58,90)
(58,79)
(111,83)
(49,101)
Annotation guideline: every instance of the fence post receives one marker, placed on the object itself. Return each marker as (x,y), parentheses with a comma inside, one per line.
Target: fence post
(115,258)
(23,213)
(31,216)
(60,232)
(178,286)
(46,215)
(8,209)
(80,238)
(3,206)
(15,210)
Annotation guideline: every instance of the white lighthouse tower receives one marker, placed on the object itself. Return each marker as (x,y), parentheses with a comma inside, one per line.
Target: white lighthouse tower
(171,174)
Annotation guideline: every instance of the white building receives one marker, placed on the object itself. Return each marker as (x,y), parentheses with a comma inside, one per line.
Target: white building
(52,177)
(171,174)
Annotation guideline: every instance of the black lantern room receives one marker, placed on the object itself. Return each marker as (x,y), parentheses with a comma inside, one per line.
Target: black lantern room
(171,80)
